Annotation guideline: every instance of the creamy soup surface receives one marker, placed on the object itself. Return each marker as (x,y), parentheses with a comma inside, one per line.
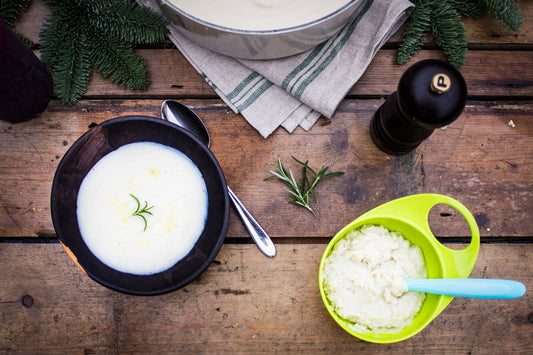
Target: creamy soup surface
(259,15)
(157,176)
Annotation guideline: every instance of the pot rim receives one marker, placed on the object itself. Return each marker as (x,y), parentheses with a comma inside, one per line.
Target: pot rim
(259,32)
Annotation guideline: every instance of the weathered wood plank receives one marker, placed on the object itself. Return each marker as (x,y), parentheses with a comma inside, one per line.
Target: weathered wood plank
(47,305)
(485,31)
(486,74)
(484,71)
(479,160)
(488,31)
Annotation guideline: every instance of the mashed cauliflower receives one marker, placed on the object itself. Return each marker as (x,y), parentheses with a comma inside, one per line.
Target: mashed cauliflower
(364,275)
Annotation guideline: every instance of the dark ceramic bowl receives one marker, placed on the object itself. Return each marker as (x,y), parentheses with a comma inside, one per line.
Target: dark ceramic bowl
(105,138)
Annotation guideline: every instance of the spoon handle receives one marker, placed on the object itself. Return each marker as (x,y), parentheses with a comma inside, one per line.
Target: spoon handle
(257,232)
(471,288)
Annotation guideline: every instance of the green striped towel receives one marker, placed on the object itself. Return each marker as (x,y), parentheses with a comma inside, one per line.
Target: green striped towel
(296,90)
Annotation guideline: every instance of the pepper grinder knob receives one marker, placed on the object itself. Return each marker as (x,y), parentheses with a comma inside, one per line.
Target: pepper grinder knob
(431,94)
(440,83)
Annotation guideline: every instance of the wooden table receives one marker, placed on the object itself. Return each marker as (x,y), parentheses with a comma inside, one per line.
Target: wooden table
(246,302)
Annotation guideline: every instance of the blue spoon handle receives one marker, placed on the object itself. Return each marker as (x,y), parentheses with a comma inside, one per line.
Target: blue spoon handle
(471,288)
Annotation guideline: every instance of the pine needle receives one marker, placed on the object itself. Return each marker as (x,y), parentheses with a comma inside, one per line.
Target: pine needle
(74,70)
(450,33)
(470,8)
(100,35)
(506,11)
(11,12)
(444,19)
(415,31)
(126,69)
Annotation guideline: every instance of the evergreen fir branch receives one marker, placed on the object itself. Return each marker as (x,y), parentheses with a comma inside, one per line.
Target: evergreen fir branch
(52,35)
(470,8)
(106,32)
(506,11)
(126,69)
(11,11)
(415,31)
(450,33)
(130,22)
(74,69)
(447,28)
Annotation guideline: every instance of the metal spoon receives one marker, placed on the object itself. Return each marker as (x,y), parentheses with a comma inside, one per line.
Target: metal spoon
(182,116)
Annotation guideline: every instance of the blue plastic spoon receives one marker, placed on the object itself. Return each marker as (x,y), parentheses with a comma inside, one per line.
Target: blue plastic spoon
(471,288)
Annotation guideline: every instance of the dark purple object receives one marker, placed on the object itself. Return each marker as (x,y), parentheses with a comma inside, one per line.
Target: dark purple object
(25,82)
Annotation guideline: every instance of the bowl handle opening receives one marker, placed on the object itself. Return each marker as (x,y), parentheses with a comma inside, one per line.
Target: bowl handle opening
(416,208)
(459,263)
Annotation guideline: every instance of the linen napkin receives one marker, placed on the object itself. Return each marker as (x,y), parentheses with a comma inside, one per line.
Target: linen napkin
(295,91)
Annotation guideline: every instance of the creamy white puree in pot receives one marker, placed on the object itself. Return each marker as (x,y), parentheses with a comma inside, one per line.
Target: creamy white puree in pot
(259,15)
(364,275)
(161,176)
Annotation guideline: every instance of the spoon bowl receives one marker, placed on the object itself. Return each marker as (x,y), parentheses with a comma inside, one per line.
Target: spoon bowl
(181,115)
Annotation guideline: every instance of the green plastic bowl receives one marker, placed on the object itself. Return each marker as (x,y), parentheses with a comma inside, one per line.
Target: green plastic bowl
(409,216)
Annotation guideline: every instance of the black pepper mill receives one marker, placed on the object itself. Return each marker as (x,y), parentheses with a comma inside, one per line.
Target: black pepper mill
(431,94)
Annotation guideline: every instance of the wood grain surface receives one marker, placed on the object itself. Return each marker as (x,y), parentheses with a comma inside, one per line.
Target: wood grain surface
(238,305)
(497,187)
(485,75)
(247,303)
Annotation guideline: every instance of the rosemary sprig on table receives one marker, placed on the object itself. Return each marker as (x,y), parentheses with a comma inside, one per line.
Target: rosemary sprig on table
(139,211)
(301,192)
